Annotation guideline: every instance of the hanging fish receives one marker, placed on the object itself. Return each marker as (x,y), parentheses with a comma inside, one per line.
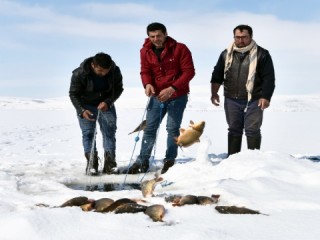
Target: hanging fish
(190,135)
(141,127)
(148,186)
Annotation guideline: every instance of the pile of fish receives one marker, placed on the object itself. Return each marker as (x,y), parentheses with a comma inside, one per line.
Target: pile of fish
(180,200)
(123,205)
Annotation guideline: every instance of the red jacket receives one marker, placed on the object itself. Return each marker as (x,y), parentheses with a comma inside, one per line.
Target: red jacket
(175,68)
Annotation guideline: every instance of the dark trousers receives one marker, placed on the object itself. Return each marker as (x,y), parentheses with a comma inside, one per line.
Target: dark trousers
(238,119)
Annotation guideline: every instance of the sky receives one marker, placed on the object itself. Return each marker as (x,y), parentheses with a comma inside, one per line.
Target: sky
(43,41)
(42,166)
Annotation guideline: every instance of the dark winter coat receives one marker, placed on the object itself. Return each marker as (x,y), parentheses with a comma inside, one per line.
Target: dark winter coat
(82,92)
(236,76)
(175,67)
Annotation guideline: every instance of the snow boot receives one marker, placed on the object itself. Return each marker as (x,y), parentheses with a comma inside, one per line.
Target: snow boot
(254,142)
(168,163)
(109,162)
(92,168)
(234,144)
(140,166)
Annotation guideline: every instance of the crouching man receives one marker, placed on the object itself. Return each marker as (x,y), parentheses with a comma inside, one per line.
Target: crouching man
(95,85)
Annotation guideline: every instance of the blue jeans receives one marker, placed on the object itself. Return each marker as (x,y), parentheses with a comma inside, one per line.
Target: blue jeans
(156,111)
(238,119)
(108,126)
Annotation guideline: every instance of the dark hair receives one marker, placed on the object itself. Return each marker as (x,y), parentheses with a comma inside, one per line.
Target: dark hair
(243,27)
(156,26)
(102,60)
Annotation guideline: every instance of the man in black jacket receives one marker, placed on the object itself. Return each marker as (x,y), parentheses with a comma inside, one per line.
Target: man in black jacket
(246,71)
(94,88)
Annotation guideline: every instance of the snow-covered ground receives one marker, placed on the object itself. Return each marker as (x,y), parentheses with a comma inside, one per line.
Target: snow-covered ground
(41,155)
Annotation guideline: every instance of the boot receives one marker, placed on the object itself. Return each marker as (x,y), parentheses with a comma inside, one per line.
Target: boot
(234,144)
(254,142)
(109,162)
(168,163)
(139,166)
(93,169)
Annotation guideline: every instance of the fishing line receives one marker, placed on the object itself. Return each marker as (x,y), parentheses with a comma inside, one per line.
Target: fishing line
(155,143)
(136,139)
(90,165)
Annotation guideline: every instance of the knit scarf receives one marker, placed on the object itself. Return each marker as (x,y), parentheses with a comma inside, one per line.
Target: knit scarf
(252,47)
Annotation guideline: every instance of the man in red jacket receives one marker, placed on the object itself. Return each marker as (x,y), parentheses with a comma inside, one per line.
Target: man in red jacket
(166,70)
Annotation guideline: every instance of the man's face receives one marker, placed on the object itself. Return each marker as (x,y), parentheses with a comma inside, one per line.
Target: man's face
(101,72)
(157,38)
(242,39)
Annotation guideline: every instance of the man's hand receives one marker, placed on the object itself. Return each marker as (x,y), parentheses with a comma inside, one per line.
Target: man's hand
(149,90)
(263,103)
(165,94)
(103,107)
(88,115)
(215,99)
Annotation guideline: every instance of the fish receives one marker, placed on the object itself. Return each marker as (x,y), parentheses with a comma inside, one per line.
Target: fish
(148,186)
(235,210)
(130,208)
(102,204)
(190,135)
(173,199)
(187,200)
(88,206)
(204,200)
(155,212)
(76,201)
(179,200)
(117,204)
(141,127)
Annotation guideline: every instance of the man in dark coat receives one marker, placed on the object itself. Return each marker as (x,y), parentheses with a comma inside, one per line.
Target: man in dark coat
(94,88)
(246,71)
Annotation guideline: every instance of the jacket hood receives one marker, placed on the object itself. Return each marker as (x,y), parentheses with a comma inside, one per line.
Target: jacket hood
(85,65)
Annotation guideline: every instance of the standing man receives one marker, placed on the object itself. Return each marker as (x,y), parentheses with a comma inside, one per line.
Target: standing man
(166,70)
(247,72)
(94,88)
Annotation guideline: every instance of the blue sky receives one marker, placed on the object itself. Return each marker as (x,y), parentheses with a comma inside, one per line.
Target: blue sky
(43,41)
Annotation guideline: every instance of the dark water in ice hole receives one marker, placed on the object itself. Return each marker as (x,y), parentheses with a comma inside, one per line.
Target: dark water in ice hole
(109,187)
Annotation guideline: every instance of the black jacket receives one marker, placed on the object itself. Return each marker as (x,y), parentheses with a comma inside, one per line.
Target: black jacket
(236,77)
(82,92)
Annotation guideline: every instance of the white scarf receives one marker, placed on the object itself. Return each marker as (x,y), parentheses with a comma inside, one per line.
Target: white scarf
(252,47)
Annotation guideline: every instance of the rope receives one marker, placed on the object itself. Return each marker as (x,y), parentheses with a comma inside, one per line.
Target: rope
(92,149)
(136,139)
(155,142)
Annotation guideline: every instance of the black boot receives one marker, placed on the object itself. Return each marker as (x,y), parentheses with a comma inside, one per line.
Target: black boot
(140,166)
(167,164)
(234,144)
(109,162)
(254,142)
(92,168)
